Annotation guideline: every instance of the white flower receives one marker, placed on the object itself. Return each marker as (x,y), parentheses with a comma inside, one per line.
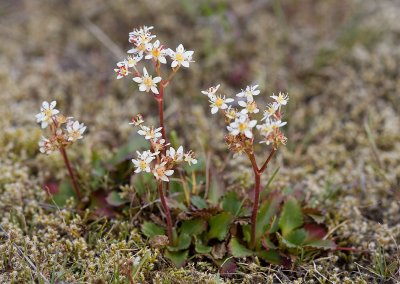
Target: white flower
(45,146)
(176,155)
(132,61)
(211,91)
(147,83)
(137,120)
(75,130)
(219,102)
(156,52)
(231,113)
(190,159)
(142,164)
(150,133)
(249,93)
(122,69)
(271,110)
(46,113)
(242,125)
(270,126)
(161,173)
(249,107)
(281,99)
(142,32)
(141,38)
(180,56)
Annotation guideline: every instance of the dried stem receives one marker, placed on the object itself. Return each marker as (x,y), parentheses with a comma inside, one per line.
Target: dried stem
(166,210)
(71,174)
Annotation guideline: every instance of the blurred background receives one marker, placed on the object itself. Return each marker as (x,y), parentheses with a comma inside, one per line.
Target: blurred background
(338,60)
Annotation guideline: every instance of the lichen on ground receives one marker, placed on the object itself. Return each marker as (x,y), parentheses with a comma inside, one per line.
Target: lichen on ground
(338,61)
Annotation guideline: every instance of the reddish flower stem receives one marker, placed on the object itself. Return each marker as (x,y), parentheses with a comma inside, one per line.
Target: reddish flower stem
(166,211)
(160,100)
(71,174)
(257,187)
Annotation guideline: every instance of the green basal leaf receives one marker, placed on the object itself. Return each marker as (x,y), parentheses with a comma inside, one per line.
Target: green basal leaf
(201,248)
(246,230)
(149,229)
(271,256)
(65,191)
(296,237)
(239,250)
(216,190)
(183,242)
(265,214)
(114,199)
(321,244)
(177,257)
(193,227)
(231,203)
(267,244)
(199,202)
(274,226)
(143,182)
(292,217)
(219,226)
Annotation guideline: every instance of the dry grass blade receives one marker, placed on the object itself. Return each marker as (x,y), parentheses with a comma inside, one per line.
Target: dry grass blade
(27,259)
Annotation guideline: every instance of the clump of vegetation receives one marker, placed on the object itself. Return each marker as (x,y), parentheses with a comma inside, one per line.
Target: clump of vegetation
(64,132)
(231,226)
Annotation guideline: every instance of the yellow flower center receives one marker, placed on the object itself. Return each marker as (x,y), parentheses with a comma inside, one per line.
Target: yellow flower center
(242,126)
(179,57)
(219,102)
(160,171)
(142,165)
(47,113)
(148,81)
(131,62)
(141,47)
(75,134)
(251,107)
(123,71)
(156,52)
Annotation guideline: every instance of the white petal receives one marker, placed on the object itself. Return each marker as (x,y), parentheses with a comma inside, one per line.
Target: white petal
(248,134)
(154,90)
(156,80)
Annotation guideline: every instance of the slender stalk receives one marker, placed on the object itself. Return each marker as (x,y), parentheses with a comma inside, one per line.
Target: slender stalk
(264,166)
(160,100)
(71,173)
(257,185)
(166,211)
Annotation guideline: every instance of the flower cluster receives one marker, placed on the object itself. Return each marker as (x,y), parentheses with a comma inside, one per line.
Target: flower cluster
(145,48)
(241,122)
(161,159)
(64,130)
